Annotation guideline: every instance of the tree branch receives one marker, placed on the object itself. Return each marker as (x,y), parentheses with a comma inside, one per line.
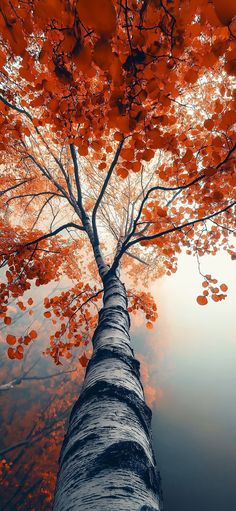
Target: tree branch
(168,231)
(14,107)
(53,233)
(15,186)
(104,187)
(135,257)
(177,189)
(76,171)
(17,381)
(37,194)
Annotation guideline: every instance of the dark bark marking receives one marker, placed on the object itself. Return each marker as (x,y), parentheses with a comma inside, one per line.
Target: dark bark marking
(78,445)
(127,488)
(104,353)
(103,389)
(128,455)
(106,319)
(147,508)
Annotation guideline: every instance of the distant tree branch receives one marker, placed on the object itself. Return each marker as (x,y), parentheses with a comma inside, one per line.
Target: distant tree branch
(224,227)
(30,440)
(17,381)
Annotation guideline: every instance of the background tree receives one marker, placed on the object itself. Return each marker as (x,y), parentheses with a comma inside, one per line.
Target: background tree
(33,417)
(116,129)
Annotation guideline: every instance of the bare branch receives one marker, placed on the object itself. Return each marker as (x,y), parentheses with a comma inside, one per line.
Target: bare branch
(76,172)
(17,381)
(137,258)
(33,195)
(104,187)
(15,186)
(224,227)
(14,107)
(53,233)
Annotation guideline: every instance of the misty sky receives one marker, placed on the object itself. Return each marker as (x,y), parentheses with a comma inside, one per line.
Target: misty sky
(192,359)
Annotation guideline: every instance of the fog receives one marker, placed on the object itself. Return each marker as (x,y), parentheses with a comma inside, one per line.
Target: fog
(191,355)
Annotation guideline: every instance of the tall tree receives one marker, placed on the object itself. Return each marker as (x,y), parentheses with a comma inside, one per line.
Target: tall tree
(117,151)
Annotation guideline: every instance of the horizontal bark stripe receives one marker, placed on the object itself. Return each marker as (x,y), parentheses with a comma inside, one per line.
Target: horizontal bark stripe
(113,370)
(108,491)
(109,339)
(113,352)
(103,391)
(108,424)
(113,317)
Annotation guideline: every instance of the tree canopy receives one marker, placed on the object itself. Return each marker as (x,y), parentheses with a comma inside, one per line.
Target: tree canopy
(117,146)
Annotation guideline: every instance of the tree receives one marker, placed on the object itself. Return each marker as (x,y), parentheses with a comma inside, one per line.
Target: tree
(33,416)
(117,142)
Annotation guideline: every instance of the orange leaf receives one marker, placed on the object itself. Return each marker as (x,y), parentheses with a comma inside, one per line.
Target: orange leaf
(224,288)
(47,314)
(149,325)
(11,339)
(18,355)
(83,360)
(160,211)
(122,172)
(7,320)
(225,10)
(98,14)
(33,334)
(209,123)
(202,300)
(20,305)
(11,353)
(217,195)
(191,76)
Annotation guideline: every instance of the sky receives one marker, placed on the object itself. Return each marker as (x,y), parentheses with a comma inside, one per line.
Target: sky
(191,355)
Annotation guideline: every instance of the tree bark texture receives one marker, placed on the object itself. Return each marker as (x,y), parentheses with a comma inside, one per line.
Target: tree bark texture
(107,462)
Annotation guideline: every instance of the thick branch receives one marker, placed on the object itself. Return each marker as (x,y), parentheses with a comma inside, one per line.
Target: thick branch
(76,172)
(104,187)
(15,186)
(126,245)
(177,189)
(14,107)
(53,233)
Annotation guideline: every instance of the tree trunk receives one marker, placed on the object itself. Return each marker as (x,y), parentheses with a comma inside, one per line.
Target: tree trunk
(106,461)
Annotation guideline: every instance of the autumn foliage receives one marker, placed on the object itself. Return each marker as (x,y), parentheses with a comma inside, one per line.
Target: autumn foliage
(117,140)
(145,89)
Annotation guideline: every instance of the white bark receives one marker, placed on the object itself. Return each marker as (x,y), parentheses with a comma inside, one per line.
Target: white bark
(107,462)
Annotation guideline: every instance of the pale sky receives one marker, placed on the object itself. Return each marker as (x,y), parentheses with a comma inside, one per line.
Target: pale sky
(191,354)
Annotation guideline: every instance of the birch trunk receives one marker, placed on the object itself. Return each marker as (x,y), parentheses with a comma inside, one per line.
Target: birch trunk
(107,462)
